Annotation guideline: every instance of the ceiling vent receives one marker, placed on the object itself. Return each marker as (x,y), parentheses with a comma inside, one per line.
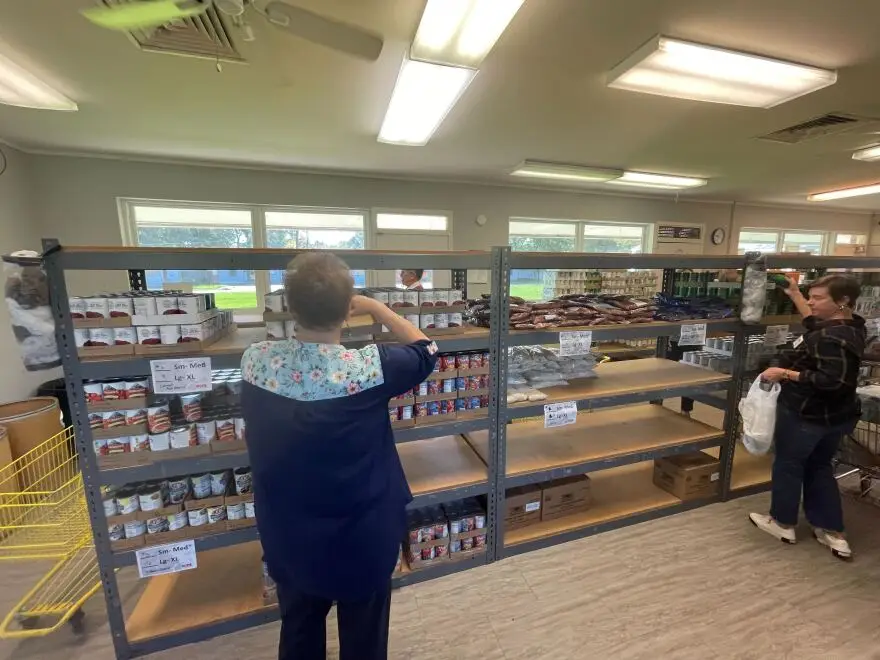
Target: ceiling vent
(831,124)
(204,36)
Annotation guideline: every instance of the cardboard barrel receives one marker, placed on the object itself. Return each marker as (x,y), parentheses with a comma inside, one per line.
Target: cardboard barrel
(29,423)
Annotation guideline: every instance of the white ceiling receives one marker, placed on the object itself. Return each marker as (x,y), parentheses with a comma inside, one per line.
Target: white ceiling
(540,95)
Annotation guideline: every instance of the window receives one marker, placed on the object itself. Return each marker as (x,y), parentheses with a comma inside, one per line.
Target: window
(614,238)
(769,241)
(412,222)
(850,245)
(811,243)
(180,224)
(538,236)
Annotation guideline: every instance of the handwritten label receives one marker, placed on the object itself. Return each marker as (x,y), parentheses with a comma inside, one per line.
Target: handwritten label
(533,506)
(183,376)
(776,335)
(577,342)
(560,414)
(693,335)
(164,559)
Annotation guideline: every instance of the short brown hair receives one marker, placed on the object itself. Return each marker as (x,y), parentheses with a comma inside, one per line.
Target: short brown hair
(319,288)
(840,287)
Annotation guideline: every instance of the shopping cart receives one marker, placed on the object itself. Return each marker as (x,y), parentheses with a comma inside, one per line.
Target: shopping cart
(858,458)
(43,515)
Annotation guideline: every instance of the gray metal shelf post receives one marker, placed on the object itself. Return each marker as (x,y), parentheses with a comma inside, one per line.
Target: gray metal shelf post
(84,447)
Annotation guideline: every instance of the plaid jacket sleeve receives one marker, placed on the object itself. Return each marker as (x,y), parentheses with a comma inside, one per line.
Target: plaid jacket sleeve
(832,365)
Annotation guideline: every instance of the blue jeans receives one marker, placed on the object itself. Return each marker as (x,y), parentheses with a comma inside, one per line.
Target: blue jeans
(803,463)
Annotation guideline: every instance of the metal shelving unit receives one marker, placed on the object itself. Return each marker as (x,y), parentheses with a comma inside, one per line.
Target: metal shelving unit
(463,457)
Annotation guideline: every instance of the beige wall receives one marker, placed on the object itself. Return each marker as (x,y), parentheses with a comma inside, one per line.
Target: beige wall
(75,199)
(18,231)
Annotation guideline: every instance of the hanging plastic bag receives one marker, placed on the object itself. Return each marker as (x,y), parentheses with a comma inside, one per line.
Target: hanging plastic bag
(754,295)
(27,297)
(758,411)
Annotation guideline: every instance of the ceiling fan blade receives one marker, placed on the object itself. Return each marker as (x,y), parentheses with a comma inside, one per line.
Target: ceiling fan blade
(139,15)
(325,31)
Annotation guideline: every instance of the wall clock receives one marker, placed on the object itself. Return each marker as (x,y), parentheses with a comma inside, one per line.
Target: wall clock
(718,236)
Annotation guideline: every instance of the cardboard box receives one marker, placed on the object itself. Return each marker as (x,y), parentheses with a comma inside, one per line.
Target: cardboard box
(522,507)
(688,476)
(563,497)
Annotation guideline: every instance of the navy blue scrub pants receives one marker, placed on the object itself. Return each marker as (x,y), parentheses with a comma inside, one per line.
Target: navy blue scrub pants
(803,464)
(363,626)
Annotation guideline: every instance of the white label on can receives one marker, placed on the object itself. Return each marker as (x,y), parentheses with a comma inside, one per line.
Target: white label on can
(135,528)
(145,306)
(77,308)
(219,482)
(275,301)
(239,426)
(395,299)
(426,298)
(290,329)
(188,304)
(441,321)
(249,511)
(169,334)
(110,507)
(177,521)
(165,559)
(124,336)
(80,336)
(235,511)
(181,376)
(120,306)
(206,432)
(160,441)
(426,321)
(455,320)
(274,330)
(148,334)
(441,297)
(151,501)
(97,308)
(560,414)
(194,332)
(216,514)
(201,485)
(166,305)
(101,336)
(197,517)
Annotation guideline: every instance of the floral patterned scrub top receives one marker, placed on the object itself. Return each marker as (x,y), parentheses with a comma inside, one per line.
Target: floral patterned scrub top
(328,485)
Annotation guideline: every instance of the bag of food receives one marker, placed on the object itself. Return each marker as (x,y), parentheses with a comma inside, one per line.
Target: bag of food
(27,298)
(758,411)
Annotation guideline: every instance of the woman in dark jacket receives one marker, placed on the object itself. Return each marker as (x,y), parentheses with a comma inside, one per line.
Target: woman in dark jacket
(817,406)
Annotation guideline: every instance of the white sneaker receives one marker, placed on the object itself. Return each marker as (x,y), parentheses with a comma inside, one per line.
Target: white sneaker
(766,524)
(839,546)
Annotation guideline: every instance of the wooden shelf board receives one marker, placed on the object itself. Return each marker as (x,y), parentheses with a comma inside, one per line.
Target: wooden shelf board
(617,378)
(227,584)
(748,470)
(617,493)
(607,433)
(440,464)
(658,325)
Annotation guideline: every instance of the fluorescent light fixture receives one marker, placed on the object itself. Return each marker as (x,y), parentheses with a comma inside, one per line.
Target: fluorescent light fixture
(846,192)
(461,32)
(422,97)
(661,181)
(560,171)
(685,70)
(21,88)
(868,154)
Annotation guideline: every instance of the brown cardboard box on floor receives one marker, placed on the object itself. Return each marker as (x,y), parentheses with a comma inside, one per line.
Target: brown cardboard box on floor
(688,476)
(565,496)
(522,507)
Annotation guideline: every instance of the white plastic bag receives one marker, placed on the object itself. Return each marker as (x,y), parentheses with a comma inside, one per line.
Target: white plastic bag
(758,412)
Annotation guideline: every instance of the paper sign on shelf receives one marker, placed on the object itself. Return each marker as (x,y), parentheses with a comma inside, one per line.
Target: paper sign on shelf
(181,376)
(776,335)
(577,342)
(693,335)
(560,414)
(873,327)
(164,559)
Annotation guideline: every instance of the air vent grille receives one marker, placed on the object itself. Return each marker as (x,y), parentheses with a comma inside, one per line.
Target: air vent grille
(830,124)
(204,35)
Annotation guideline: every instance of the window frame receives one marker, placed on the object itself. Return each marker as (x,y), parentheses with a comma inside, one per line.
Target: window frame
(372,279)
(827,242)
(128,228)
(580,225)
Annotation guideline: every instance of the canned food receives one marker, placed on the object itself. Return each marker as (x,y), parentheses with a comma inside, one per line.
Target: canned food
(461,383)
(216,514)
(94,391)
(127,501)
(136,389)
(406,412)
(120,306)
(274,330)
(395,299)
(434,387)
(197,517)
(249,510)
(219,483)
(201,486)
(475,361)
(474,403)
(479,521)
(454,320)
(139,442)
(148,335)
(145,306)
(449,385)
(124,336)
(113,390)
(473,383)
(77,307)
(243,480)
(96,420)
(441,297)
(467,543)
(460,404)
(235,511)
(206,431)
(394,414)
(454,546)
(239,427)
(116,531)
(484,401)
(426,298)
(194,332)
(274,301)
(447,407)
(135,528)
(110,507)
(100,337)
(192,407)
(410,298)
(456,297)
(150,497)
(177,520)
(81,337)
(446,362)
(113,419)
(169,334)
(166,305)
(484,359)
(484,381)
(441,321)
(421,389)
(157,525)
(433,408)
(135,417)
(118,445)
(97,308)
(159,417)
(426,321)
(225,429)
(381,296)
(100,445)
(178,489)
(188,303)
(290,329)
(160,441)
(460,360)
(479,541)
(420,410)
(182,437)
